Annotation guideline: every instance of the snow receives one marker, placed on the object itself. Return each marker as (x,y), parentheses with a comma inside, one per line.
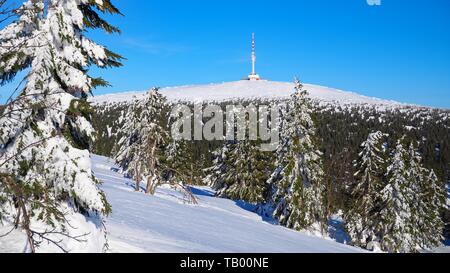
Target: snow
(88,229)
(166,223)
(248,90)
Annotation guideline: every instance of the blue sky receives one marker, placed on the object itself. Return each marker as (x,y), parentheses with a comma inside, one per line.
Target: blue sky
(399,50)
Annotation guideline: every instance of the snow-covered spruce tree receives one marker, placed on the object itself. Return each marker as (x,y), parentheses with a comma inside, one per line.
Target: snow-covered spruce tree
(434,196)
(427,203)
(299,198)
(180,167)
(394,223)
(142,147)
(416,175)
(179,170)
(215,174)
(127,147)
(412,202)
(47,186)
(248,169)
(362,218)
(280,160)
(153,138)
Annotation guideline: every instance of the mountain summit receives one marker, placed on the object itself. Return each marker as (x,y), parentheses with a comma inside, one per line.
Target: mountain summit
(245,89)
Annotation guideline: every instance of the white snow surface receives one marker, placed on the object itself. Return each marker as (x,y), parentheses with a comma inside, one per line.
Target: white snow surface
(248,90)
(166,223)
(92,239)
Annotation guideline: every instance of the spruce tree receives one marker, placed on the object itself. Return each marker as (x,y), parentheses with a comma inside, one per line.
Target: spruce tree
(362,219)
(247,171)
(127,147)
(215,174)
(154,136)
(179,170)
(412,202)
(143,144)
(299,198)
(427,203)
(435,195)
(46,131)
(419,207)
(396,233)
(179,164)
(247,167)
(430,226)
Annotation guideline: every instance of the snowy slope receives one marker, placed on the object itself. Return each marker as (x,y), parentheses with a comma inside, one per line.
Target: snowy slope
(247,90)
(165,223)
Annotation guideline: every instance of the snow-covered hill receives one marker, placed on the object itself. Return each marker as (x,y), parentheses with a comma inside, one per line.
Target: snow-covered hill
(249,90)
(166,223)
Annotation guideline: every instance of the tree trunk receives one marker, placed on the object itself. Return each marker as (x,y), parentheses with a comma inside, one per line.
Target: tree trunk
(149,186)
(138,182)
(152,183)
(138,186)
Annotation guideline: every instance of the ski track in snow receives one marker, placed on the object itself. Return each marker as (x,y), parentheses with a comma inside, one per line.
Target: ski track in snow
(165,223)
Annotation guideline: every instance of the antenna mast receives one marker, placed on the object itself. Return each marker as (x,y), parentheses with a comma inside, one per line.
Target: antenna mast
(253,54)
(253,76)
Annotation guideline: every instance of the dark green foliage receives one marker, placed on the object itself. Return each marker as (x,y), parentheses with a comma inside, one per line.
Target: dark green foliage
(299,178)
(341,132)
(362,218)
(80,108)
(248,169)
(92,18)
(21,62)
(23,167)
(78,138)
(179,166)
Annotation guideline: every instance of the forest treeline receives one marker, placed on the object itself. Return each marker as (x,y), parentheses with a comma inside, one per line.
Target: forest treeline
(339,133)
